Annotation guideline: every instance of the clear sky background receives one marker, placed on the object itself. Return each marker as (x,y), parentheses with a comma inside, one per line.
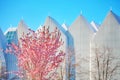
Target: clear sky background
(34,12)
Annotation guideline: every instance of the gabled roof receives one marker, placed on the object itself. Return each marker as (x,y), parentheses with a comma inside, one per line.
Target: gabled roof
(110,23)
(115,16)
(52,23)
(22,24)
(22,28)
(109,31)
(111,18)
(80,25)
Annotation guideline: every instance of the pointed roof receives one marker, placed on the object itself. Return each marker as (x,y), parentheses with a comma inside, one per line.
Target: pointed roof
(52,23)
(111,18)
(109,31)
(80,25)
(115,16)
(22,25)
(110,23)
(22,28)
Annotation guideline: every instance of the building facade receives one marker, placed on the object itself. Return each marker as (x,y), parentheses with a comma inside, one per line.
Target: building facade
(80,39)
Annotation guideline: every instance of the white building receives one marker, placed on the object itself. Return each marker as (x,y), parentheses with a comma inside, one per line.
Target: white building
(79,39)
(108,36)
(81,32)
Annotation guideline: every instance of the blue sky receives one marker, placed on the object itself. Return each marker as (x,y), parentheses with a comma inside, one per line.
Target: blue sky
(34,12)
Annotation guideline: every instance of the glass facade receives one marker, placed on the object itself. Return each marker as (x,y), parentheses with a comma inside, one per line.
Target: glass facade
(11,36)
(11,60)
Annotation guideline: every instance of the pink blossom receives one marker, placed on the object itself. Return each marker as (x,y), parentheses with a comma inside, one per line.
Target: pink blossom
(39,53)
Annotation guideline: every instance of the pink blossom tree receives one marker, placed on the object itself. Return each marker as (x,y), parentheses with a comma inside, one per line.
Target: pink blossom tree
(39,54)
